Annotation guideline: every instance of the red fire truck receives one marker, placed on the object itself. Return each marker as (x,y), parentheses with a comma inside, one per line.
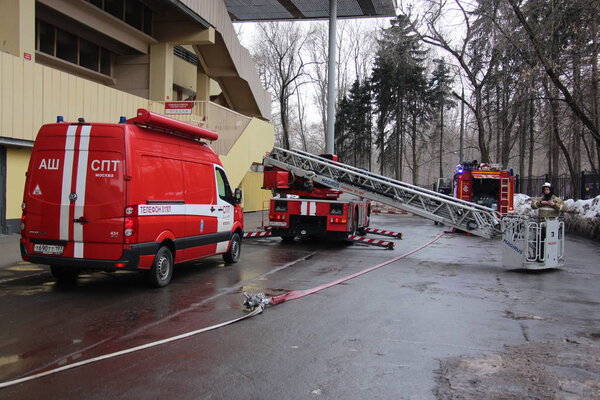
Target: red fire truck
(303,208)
(485,184)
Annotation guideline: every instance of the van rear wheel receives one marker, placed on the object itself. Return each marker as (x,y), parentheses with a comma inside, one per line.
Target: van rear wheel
(162,269)
(64,274)
(235,249)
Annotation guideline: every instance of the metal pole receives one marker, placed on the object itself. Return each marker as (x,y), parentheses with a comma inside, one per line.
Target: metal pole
(331,78)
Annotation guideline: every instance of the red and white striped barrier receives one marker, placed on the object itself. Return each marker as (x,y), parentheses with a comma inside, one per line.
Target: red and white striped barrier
(248,235)
(397,235)
(372,242)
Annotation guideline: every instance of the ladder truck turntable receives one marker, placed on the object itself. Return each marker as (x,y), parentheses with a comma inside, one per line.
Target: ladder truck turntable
(318,181)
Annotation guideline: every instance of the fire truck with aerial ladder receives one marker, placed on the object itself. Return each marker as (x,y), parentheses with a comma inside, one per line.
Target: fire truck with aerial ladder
(322,179)
(485,184)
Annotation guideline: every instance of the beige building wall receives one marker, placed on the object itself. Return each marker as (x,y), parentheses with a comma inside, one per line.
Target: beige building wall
(17,161)
(249,148)
(255,198)
(32,95)
(17,31)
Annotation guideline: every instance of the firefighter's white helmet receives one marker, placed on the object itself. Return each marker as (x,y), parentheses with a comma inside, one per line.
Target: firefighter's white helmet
(547,185)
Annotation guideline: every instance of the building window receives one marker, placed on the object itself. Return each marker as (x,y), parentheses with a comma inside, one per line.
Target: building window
(132,12)
(66,46)
(114,8)
(185,54)
(105,61)
(89,55)
(46,38)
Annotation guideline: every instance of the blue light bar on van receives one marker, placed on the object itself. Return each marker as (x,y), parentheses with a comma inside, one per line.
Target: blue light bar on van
(59,118)
(123,120)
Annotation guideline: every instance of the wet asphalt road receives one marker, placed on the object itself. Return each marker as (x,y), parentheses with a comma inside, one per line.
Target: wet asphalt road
(383,335)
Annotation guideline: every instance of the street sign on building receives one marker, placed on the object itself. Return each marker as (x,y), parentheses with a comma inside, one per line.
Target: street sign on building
(179,107)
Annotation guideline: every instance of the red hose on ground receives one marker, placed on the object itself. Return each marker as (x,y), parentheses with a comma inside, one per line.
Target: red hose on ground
(296,294)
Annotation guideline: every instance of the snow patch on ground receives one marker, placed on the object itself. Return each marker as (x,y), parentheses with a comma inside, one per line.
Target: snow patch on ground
(582,216)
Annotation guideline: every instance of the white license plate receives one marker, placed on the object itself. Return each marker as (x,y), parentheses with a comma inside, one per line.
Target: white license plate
(275,223)
(48,249)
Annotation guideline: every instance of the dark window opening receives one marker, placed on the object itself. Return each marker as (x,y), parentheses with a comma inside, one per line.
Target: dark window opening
(114,8)
(66,46)
(89,54)
(105,61)
(132,12)
(148,16)
(46,36)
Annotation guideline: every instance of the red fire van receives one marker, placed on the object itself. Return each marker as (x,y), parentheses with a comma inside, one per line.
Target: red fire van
(142,195)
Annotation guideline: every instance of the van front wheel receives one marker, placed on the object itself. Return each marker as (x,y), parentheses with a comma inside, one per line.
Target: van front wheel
(235,249)
(162,268)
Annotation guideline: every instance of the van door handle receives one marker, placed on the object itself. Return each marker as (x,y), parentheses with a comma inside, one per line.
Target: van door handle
(81,220)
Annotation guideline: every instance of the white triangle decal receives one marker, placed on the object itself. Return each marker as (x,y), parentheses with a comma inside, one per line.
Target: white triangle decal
(37,190)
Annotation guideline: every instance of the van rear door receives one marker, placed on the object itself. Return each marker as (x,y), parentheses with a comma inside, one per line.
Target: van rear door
(75,193)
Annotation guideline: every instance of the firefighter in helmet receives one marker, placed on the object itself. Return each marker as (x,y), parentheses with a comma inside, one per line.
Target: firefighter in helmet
(549,205)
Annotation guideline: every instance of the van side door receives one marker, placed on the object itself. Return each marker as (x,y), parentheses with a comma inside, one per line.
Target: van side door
(225,207)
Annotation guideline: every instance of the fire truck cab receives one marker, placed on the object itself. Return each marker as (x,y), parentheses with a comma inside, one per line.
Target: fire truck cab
(486,185)
(142,195)
(303,208)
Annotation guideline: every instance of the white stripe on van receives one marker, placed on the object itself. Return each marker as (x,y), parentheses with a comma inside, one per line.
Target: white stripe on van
(80,189)
(65,204)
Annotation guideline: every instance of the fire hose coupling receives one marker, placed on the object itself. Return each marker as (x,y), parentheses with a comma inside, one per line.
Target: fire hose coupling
(255,300)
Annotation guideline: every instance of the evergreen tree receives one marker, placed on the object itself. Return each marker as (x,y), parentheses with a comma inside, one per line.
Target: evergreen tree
(397,83)
(440,88)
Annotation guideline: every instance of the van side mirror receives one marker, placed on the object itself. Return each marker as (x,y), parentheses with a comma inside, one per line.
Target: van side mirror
(237,196)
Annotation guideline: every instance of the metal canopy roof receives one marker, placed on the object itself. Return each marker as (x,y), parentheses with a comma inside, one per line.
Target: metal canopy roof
(269,10)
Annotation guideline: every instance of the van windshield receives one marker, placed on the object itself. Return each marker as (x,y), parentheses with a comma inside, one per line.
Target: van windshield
(223,186)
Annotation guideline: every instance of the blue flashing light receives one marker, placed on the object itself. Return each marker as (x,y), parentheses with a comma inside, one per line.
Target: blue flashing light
(122,120)
(460,171)
(59,118)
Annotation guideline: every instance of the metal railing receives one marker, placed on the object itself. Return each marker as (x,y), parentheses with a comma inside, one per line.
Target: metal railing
(227,123)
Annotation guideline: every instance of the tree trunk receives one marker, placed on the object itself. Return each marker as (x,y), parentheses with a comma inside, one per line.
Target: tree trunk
(441,175)
(531,138)
(415,161)
(485,156)
(576,123)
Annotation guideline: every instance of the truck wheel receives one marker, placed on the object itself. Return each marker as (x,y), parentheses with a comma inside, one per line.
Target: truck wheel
(64,274)
(162,269)
(235,249)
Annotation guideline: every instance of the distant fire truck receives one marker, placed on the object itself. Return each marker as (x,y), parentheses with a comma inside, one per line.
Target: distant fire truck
(486,185)
(302,207)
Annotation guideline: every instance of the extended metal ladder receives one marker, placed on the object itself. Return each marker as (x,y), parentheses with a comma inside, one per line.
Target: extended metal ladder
(460,214)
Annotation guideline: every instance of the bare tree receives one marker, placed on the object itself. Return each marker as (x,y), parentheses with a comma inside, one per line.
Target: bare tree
(552,72)
(476,73)
(354,46)
(279,54)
